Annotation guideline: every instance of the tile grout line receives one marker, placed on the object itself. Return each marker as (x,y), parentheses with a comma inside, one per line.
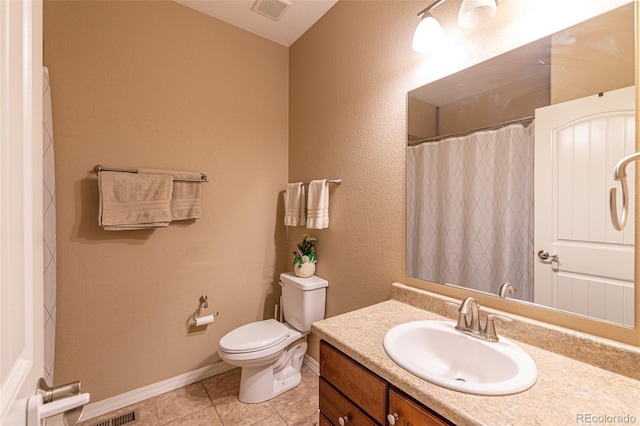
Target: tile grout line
(298,404)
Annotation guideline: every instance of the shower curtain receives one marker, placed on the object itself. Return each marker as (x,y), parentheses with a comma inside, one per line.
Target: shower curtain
(49,231)
(470,210)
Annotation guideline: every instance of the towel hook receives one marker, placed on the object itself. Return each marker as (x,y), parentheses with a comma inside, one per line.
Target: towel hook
(620,174)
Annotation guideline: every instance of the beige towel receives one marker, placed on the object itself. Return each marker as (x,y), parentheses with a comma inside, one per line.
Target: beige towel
(294,205)
(185,198)
(134,201)
(318,205)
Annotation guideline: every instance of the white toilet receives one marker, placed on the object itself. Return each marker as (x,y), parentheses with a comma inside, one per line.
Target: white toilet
(270,352)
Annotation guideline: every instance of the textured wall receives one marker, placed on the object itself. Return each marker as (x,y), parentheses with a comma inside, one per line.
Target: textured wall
(349,75)
(158,85)
(155,84)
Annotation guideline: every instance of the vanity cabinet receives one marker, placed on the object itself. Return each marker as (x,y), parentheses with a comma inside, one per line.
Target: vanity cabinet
(410,412)
(350,394)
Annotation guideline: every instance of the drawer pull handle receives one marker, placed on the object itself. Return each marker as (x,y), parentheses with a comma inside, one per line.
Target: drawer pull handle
(343,420)
(393,418)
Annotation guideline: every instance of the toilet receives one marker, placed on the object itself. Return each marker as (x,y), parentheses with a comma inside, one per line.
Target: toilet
(271,352)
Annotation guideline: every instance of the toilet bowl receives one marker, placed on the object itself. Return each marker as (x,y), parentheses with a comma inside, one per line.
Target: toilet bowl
(270,352)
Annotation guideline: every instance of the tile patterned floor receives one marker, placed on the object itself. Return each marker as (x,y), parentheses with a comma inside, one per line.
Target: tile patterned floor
(214,402)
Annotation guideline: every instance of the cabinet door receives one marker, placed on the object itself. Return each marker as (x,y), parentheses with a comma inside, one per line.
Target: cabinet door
(364,388)
(324,421)
(410,413)
(335,406)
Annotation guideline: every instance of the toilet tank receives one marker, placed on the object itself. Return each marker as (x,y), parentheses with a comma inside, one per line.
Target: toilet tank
(303,300)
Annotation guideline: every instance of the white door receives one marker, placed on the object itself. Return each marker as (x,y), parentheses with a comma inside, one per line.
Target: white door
(21,309)
(578,144)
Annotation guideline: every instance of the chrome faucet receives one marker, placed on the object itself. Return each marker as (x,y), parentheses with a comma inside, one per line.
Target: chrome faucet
(469,307)
(506,288)
(469,320)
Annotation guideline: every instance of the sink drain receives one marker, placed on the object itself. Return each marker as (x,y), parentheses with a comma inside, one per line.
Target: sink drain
(460,379)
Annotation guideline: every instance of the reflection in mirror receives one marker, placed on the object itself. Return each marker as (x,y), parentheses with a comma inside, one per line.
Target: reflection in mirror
(509,167)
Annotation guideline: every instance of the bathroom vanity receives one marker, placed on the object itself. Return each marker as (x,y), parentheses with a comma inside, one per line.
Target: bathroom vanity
(350,393)
(580,377)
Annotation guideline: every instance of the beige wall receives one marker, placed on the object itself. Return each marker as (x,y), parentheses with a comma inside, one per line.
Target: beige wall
(153,84)
(158,85)
(573,79)
(422,118)
(505,103)
(347,120)
(510,102)
(349,75)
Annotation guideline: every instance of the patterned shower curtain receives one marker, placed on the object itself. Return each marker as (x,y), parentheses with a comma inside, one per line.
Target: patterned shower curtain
(49,238)
(470,210)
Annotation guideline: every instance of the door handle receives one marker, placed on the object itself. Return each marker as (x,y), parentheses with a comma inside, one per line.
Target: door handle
(51,401)
(554,257)
(545,255)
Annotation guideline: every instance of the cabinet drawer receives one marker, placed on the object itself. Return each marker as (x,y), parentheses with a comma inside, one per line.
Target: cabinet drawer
(333,406)
(364,388)
(411,413)
(324,421)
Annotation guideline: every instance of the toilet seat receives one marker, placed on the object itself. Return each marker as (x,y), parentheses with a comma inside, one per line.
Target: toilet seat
(254,336)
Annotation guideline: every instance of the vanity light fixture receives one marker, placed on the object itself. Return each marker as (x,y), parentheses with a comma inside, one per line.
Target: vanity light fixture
(476,12)
(428,34)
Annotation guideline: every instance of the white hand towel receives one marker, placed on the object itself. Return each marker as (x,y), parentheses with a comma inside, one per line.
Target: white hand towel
(294,205)
(318,205)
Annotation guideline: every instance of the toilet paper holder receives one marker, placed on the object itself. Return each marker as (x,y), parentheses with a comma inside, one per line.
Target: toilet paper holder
(204,303)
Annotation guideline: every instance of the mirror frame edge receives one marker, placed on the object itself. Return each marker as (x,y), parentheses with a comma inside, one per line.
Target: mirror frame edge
(630,336)
(615,332)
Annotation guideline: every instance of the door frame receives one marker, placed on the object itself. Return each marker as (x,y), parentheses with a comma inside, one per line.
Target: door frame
(21,288)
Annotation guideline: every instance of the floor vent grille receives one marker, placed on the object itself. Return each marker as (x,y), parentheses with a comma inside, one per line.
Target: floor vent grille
(123,419)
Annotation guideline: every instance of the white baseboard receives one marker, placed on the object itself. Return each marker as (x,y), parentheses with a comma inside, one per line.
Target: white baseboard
(311,364)
(132,397)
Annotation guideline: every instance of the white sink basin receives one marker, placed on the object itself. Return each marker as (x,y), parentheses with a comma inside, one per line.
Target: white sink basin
(435,351)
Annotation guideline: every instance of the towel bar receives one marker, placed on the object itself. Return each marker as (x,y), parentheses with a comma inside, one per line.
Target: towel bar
(336,181)
(203,176)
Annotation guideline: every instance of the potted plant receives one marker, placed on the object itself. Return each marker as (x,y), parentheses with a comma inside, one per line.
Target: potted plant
(304,260)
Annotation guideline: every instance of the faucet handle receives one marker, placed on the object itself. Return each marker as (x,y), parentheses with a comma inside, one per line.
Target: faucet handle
(490,327)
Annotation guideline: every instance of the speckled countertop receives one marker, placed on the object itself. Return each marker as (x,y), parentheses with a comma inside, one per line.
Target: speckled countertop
(567,392)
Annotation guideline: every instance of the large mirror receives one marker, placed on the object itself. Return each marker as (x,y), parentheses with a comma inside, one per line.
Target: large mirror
(509,167)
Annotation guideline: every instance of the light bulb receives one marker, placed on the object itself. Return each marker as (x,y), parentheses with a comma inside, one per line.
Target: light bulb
(476,12)
(428,34)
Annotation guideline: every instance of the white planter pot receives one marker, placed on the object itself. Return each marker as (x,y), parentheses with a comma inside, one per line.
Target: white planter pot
(305,270)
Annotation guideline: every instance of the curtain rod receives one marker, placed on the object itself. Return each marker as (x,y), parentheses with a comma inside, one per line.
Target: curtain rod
(203,176)
(468,132)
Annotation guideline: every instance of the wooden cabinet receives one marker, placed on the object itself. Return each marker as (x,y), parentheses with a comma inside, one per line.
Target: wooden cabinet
(356,383)
(409,412)
(336,407)
(324,421)
(352,395)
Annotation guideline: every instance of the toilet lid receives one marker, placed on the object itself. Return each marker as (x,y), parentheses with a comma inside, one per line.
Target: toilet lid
(254,336)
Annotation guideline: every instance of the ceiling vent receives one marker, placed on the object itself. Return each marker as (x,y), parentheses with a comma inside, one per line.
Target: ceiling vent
(273,9)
